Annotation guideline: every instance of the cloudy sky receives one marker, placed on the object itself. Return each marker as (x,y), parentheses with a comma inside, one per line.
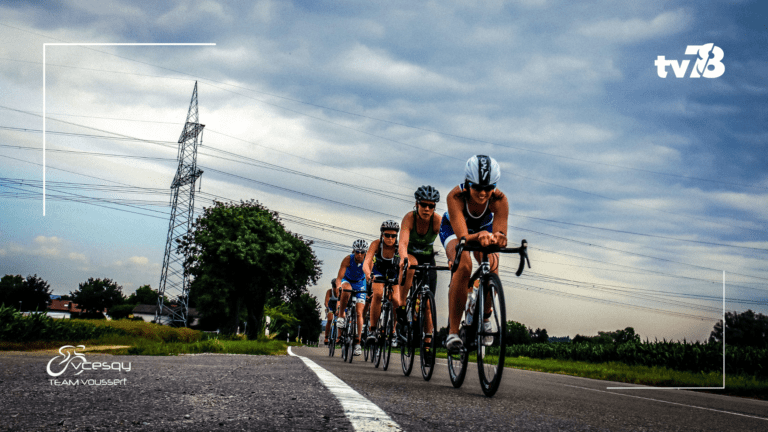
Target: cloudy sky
(635,192)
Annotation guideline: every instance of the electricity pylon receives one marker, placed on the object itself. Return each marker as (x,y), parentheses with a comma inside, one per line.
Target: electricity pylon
(173,281)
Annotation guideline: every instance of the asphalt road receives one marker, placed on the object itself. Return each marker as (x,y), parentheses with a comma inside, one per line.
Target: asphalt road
(532,401)
(237,392)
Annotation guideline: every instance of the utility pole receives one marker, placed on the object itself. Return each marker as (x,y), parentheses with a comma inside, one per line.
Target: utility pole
(173,281)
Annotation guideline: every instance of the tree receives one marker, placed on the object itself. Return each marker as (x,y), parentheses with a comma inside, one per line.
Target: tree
(624,336)
(33,292)
(238,255)
(145,295)
(539,336)
(743,329)
(307,309)
(95,295)
(517,334)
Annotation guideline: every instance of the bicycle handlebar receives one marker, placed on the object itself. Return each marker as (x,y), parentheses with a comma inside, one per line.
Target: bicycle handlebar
(429,267)
(475,246)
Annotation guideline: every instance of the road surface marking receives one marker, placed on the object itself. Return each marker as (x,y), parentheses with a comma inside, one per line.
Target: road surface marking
(668,402)
(362,413)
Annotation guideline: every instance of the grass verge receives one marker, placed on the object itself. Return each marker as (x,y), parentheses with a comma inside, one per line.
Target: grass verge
(735,385)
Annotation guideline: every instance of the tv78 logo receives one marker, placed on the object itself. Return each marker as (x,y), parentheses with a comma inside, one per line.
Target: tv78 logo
(707,64)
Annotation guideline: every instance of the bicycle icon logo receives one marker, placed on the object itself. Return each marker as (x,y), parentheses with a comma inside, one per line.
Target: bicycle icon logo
(67,359)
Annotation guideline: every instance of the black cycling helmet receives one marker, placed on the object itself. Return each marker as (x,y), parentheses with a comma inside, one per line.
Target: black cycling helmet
(390,225)
(333,282)
(427,193)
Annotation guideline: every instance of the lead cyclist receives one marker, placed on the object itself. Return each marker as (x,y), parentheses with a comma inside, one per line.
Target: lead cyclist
(477,211)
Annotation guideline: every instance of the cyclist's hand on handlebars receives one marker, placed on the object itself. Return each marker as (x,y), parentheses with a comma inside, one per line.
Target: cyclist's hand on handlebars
(500,239)
(485,238)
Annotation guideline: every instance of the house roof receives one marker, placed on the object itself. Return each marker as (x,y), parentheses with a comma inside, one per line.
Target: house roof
(58,305)
(152,309)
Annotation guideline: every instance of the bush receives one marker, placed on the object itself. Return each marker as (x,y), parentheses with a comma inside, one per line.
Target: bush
(40,327)
(682,356)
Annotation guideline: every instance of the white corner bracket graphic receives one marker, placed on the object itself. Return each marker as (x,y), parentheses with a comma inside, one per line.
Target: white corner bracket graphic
(45,45)
(687,388)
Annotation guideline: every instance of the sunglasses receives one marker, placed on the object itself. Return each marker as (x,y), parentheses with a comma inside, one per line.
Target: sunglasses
(361,252)
(481,188)
(390,235)
(426,206)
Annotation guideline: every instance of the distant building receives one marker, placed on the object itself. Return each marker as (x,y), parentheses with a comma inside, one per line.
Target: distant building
(63,308)
(148,312)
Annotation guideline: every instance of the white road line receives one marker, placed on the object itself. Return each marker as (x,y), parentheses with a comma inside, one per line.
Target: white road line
(362,413)
(668,402)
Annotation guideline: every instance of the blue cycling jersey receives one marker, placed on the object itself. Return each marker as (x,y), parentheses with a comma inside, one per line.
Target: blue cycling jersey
(354,271)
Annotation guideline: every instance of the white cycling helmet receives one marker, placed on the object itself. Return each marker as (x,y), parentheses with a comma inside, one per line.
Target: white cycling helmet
(482,170)
(360,245)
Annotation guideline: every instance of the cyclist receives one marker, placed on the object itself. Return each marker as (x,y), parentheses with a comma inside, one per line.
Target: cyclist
(331,297)
(352,278)
(419,231)
(478,211)
(380,261)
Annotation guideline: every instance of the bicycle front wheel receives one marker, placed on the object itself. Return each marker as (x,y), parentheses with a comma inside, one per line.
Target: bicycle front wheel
(378,346)
(387,348)
(364,340)
(351,335)
(332,340)
(491,335)
(426,328)
(408,349)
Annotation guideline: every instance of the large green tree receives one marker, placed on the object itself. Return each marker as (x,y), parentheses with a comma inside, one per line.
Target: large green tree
(95,295)
(238,255)
(743,329)
(33,292)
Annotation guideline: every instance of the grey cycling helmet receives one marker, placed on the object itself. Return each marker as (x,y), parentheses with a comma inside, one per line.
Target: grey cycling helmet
(360,245)
(427,193)
(390,225)
(482,170)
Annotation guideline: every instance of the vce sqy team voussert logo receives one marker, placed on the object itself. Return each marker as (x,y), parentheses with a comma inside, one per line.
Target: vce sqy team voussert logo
(80,364)
(708,64)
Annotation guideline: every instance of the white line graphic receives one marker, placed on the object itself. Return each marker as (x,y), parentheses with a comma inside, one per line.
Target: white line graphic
(687,388)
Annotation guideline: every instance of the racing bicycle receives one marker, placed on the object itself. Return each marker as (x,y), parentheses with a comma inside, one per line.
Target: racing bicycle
(483,325)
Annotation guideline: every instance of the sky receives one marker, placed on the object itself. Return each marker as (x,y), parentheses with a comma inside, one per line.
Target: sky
(642,198)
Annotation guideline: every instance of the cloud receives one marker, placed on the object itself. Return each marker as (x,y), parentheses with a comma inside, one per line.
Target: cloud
(376,66)
(138,260)
(637,29)
(78,257)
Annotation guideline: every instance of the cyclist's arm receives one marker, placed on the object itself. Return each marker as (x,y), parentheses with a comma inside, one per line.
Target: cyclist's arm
(500,209)
(327,297)
(342,271)
(368,262)
(405,236)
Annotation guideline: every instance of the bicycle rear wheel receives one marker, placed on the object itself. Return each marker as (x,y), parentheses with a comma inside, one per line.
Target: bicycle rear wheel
(408,349)
(387,348)
(426,328)
(491,336)
(457,363)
